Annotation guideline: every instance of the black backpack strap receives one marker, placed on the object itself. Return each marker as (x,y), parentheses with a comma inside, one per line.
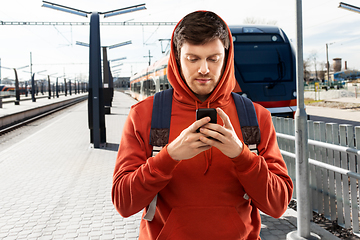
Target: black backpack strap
(161,117)
(248,121)
(159,133)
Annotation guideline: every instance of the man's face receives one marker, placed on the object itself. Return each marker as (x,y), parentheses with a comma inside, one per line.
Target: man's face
(202,66)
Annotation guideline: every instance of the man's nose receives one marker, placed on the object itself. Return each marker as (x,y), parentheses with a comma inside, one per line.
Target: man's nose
(204,68)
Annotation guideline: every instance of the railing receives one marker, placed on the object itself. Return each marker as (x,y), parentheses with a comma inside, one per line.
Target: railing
(334,157)
(324,86)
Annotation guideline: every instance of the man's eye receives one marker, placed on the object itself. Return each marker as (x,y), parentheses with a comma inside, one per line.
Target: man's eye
(214,59)
(192,59)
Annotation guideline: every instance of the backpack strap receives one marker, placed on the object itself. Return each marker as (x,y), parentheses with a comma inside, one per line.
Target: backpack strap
(248,121)
(161,117)
(159,133)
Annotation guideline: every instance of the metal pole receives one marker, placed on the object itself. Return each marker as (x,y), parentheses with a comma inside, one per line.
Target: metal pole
(327,65)
(106,89)
(31,65)
(65,87)
(301,145)
(301,135)
(17,90)
(57,87)
(49,87)
(26,90)
(111,85)
(95,103)
(33,88)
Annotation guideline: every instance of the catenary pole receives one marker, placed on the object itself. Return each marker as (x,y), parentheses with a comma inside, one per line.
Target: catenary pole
(95,81)
(301,135)
(96,112)
(301,146)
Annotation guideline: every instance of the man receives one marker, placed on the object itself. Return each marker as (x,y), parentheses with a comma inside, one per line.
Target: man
(205,188)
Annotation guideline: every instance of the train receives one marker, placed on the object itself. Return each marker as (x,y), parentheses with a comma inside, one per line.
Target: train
(265,70)
(9,90)
(6,88)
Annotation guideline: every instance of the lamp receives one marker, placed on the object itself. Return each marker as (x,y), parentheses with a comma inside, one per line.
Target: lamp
(349,7)
(118,59)
(82,44)
(65,9)
(120,44)
(124,10)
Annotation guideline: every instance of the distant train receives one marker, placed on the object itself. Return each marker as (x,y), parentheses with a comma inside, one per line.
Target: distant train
(265,70)
(9,90)
(6,88)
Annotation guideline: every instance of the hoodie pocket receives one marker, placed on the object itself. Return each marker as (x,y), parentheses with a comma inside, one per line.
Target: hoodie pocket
(203,223)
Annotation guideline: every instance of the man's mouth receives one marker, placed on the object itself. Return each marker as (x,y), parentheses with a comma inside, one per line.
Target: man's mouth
(203,80)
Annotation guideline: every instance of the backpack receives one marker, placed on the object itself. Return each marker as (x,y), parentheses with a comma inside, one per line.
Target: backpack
(160,127)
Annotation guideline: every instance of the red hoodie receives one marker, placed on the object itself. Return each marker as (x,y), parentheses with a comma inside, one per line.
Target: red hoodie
(209,196)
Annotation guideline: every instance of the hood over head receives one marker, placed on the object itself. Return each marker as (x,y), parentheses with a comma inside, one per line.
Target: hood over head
(220,94)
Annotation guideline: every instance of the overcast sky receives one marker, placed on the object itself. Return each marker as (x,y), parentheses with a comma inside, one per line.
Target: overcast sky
(53,48)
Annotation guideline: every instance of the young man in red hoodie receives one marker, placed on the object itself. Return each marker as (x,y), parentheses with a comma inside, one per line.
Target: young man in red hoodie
(206,188)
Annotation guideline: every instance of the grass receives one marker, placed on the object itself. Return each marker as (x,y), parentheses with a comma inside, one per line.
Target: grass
(308,101)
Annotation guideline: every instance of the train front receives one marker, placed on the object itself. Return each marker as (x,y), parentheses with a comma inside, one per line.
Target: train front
(265,68)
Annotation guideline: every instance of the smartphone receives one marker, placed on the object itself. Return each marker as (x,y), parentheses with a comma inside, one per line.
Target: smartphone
(206,112)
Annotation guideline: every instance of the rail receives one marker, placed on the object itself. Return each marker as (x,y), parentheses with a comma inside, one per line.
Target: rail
(18,119)
(334,157)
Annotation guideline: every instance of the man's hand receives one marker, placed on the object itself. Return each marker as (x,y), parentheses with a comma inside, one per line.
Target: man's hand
(188,144)
(225,138)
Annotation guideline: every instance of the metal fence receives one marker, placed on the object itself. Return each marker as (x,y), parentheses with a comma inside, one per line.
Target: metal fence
(334,168)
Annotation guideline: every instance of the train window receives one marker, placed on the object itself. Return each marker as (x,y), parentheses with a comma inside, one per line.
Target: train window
(146,88)
(152,87)
(252,30)
(263,62)
(162,83)
(137,87)
(257,38)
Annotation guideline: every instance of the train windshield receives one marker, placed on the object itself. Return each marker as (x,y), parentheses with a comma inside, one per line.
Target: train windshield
(262,58)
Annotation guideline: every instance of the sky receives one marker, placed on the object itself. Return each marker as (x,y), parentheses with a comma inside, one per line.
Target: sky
(54,52)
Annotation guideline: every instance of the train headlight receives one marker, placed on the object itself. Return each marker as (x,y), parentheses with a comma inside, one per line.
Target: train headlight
(294,94)
(244,95)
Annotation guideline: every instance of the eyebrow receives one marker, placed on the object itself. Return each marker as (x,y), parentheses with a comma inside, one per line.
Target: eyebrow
(194,55)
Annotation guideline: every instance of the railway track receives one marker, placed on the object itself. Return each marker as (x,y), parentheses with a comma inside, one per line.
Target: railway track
(19,123)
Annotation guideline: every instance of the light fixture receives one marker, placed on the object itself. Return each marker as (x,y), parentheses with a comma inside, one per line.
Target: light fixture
(118,59)
(22,67)
(6,68)
(120,44)
(65,9)
(124,10)
(117,65)
(110,47)
(349,7)
(82,44)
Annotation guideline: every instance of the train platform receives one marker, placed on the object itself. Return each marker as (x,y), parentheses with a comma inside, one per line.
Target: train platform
(26,103)
(54,185)
(10,113)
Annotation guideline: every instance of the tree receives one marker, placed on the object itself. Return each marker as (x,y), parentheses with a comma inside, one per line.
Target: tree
(322,72)
(306,65)
(312,58)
